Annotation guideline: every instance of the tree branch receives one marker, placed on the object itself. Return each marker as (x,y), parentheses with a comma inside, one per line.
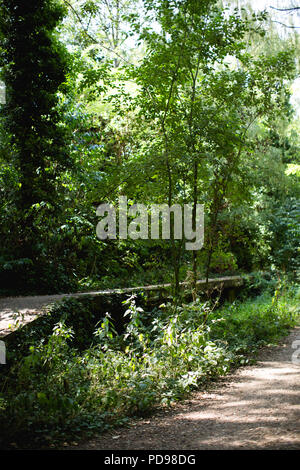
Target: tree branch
(286,25)
(285,9)
(92,38)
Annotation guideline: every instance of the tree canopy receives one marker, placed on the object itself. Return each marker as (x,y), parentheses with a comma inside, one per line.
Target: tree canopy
(181,102)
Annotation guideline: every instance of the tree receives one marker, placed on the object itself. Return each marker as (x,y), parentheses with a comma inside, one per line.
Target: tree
(100,27)
(34,68)
(292,9)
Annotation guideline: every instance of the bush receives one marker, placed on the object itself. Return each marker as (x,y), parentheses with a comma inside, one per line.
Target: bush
(243,327)
(258,283)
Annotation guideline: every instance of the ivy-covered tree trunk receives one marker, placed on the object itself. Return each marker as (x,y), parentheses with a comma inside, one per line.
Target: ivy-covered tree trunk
(34,66)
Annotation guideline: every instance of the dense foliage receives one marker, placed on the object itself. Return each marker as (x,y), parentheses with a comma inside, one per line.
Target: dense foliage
(34,150)
(183,102)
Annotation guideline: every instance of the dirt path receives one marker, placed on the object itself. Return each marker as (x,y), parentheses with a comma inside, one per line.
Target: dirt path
(257,407)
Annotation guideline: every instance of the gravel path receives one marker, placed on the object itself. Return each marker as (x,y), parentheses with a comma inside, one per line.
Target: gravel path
(256,407)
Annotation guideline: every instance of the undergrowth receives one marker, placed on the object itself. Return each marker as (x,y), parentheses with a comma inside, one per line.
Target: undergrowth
(58,391)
